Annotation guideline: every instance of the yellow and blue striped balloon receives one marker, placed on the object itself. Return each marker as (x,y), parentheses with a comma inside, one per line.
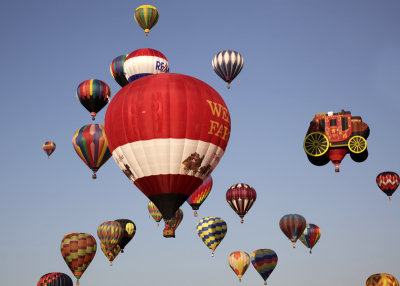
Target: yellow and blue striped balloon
(212,231)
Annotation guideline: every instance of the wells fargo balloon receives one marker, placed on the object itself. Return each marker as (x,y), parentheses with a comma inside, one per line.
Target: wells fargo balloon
(110,234)
(382,279)
(144,62)
(293,225)
(212,231)
(117,70)
(167,133)
(227,65)
(198,197)
(169,230)
(264,261)
(332,135)
(241,198)
(90,143)
(310,235)
(49,147)
(154,212)
(111,254)
(55,279)
(93,94)
(239,261)
(78,250)
(388,182)
(146,16)
(129,228)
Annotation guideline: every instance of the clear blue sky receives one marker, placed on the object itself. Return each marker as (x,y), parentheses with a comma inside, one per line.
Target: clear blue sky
(300,58)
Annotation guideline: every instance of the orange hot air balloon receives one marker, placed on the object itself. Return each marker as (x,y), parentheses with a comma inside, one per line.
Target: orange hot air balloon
(382,279)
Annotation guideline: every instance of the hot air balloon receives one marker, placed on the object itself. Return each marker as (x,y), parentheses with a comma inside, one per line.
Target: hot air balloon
(227,65)
(241,198)
(110,234)
(112,253)
(169,230)
(55,279)
(212,231)
(239,261)
(388,182)
(382,279)
(78,250)
(90,143)
(93,94)
(154,212)
(198,197)
(144,62)
(264,261)
(49,147)
(310,236)
(167,133)
(129,228)
(117,70)
(332,135)
(146,16)
(293,226)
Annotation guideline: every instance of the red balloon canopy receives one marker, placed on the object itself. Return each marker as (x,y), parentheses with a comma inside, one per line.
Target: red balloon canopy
(167,132)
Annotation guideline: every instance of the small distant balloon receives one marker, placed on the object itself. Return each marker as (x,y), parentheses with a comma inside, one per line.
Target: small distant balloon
(227,65)
(146,16)
(239,261)
(49,147)
(241,198)
(293,225)
(93,94)
(212,231)
(110,234)
(310,236)
(388,182)
(264,261)
(154,212)
(117,70)
(198,197)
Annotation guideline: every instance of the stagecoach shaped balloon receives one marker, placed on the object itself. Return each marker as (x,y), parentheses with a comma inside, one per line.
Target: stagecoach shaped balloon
(144,62)
(167,133)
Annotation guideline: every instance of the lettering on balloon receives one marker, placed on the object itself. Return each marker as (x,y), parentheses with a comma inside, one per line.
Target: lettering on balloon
(216,128)
(161,66)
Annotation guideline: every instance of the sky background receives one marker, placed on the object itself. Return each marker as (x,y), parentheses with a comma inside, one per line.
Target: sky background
(300,58)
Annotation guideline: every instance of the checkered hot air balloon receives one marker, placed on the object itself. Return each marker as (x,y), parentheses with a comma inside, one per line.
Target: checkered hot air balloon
(90,143)
(146,16)
(198,197)
(239,261)
(388,182)
(78,250)
(93,94)
(264,261)
(110,234)
(310,236)
(154,212)
(227,65)
(129,228)
(117,70)
(167,132)
(293,225)
(169,230)
(241,198)
(55,279)
(49,147)
(144,62)
(212,231)
(382,279)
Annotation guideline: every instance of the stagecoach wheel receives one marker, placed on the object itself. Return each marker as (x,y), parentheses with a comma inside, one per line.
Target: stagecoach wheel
(357,144)
(316,144)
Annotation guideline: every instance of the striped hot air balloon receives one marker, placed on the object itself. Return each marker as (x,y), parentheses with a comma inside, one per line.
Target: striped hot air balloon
(212,231)
(55,279)
(310,236)
(198,197)
(93,94)
(146,16)
(388,182)
(227,65)
(90,143)
(154,212)
(110,234)
(49,147)
(78,250)
(264,261)
(382,279)
(169,230)
(241,198)
(160,142)
(293,225)
(239,261)
(129,228)
(117,70)
(144,62)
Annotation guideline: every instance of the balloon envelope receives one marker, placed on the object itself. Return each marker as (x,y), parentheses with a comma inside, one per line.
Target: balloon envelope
(49,147)
(264,261)
(311,235)
(55,279)
(212,231)
(110,234)
(117,70)
(129,228)
(293,225)
(382,279)
(93,94)
(388,182)
(239,261)
(241,198)
(227,65)
(146,16)
(154,212)
(198,197)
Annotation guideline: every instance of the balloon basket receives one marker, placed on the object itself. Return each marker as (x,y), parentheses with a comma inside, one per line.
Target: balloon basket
(169,233)
(195,214)
(94,176)
(241,221)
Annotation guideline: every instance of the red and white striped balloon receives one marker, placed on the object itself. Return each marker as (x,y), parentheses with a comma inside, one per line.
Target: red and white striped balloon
(241,198)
